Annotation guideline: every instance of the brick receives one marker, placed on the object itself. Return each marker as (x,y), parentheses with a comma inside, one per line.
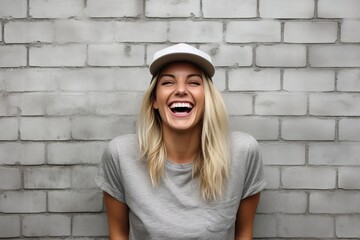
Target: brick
(29,104)
(8,128)
(282,202)
(113,8)
(265,226)
(173,8)
(140,31)
(254,80)
(280,104)
(349,129)
(302,226)
(238,104)
(259,127)
(83,31)
(10,179)
(10,226)
(13,56)
(348,226)
(25,80)
(349,178)
(115,103)
(281,56)
(58,55)
(350,31)
(23,202)
(272,176)
(87,79)
(338,202)
(55,8)
(229,9)
(101,79)
(75,153)
(348,80)
(338,9)
(332,154)
(303,178)
(101,128)
(90,225)
(132,79)
(116,55)
(308,80)
(8,106)
(22,153)
(308,129)
(67,104)
(75,201)
(47,177)
(286,9)
(27,32)
(334,56)
(201,32)
(229,55)
(253,31)
(310,32)
(46,225)
(37,128)
(13,8)
(219,79)
(83,176)
(283,153)
(341,104)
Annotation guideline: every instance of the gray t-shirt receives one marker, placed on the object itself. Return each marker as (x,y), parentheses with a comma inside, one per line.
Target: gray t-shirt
(174,209)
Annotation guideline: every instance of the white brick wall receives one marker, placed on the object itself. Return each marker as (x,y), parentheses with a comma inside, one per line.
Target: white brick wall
(26,32)
(73,72)
(253,31)
(13,8)
(172,8)
(113,8)
(229,9)
(310,32)
(281,56)
(334,56)
(338,8)
(46,225)
(286,8)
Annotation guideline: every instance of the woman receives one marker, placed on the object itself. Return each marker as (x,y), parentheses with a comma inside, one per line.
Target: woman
(183,176)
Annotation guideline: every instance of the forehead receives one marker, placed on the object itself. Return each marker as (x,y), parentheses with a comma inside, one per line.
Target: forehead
(181,66)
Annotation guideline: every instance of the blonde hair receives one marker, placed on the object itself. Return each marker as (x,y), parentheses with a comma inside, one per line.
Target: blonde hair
(211,166)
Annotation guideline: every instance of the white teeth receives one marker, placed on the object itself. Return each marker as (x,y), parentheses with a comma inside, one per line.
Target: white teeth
(180,104)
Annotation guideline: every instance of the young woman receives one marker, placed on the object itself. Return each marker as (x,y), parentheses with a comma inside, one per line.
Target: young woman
(183,176)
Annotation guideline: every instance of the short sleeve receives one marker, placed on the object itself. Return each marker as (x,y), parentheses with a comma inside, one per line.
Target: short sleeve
(255,180)
(109,173)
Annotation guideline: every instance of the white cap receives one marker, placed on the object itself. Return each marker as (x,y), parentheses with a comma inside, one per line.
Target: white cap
(182,52)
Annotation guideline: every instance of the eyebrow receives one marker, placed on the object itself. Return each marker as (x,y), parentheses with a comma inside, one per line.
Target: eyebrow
(173,76)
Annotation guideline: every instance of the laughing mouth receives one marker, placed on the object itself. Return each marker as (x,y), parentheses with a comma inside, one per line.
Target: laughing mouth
(181,107)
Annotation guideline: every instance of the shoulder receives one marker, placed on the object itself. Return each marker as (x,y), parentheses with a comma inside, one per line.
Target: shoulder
(243,147)
(125,144)
(241,140)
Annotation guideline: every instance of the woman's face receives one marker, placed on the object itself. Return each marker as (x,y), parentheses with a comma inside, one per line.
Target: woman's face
(180,97)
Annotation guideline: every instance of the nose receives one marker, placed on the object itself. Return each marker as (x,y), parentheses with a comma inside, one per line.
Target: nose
(180,89)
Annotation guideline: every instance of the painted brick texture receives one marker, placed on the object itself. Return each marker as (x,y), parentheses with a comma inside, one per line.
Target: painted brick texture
(73,72)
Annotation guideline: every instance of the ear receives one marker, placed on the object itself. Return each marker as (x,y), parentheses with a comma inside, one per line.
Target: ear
(155,105)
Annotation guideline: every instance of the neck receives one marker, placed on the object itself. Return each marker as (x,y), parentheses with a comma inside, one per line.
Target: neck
(182,146)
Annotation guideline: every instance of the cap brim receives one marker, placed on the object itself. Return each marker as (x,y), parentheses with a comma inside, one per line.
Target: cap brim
(202,63)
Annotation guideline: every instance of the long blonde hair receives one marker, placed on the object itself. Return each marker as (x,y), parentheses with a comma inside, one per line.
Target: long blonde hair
(211,166)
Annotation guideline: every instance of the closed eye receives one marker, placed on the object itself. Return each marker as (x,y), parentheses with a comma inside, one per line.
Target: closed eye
(195,83)
(165,83)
